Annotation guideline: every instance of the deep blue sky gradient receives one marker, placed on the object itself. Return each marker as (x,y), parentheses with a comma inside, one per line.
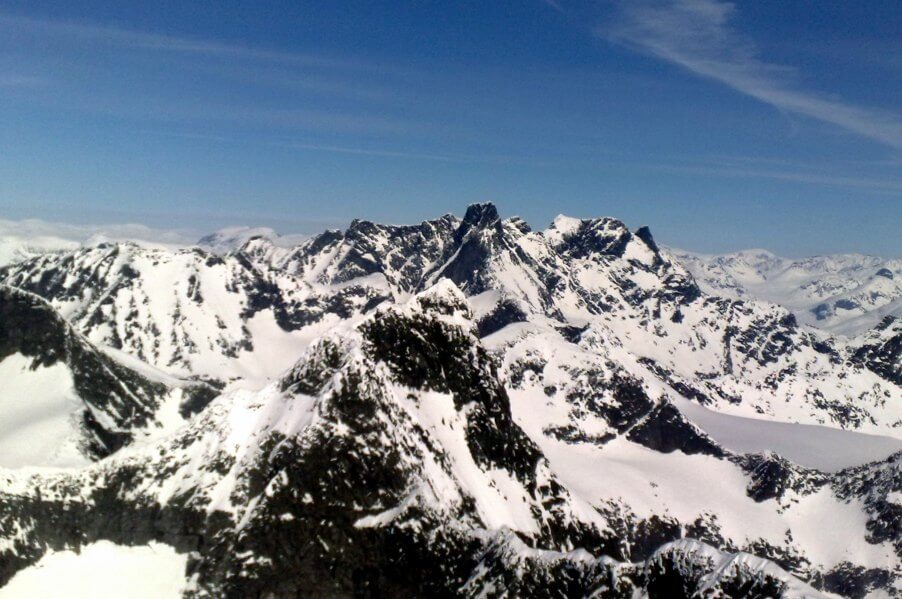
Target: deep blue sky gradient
(303,115)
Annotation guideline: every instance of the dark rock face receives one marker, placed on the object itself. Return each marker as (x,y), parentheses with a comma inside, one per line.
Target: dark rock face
(478,216)
(603,236)
(572,333)
(771,476)
(766,341)
(845,304)
(474,244)
(31,327)
(822,311)
(505,313)
(882,351)
(199,396)
(848,580)
(665,429)
(620,401)
(573,434)
(873,484)
(426,353)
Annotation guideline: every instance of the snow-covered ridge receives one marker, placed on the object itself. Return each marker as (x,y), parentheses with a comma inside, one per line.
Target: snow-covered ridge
(65,402)
(843,293)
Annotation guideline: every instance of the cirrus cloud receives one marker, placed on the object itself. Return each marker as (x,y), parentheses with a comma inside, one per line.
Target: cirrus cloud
(697,35)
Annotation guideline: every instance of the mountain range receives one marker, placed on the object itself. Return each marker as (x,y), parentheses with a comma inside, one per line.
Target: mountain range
(462,407)
(844,294)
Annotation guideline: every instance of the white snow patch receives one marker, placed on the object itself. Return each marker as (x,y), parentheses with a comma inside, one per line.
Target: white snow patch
(562,227)
(39,411)
(821,447)
(103,570)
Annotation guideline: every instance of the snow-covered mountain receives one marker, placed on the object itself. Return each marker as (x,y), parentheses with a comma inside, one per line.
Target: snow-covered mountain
(845,294)
(467,407)
(244,317)
(64,402)
(229,239)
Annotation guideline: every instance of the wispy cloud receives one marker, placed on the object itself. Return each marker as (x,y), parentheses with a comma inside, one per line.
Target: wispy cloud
(42,233)
(16,80)
(555,5)
(165,43)
(305,78)
(348,149)
(372,152)
(875,185)
(697,35)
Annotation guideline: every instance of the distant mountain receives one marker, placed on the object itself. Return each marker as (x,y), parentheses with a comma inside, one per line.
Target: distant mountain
(845,294)
(14,248)
(23,239)
(229,239)
(468,407)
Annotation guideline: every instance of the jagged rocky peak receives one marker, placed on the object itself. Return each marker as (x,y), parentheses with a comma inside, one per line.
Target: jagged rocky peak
(581,238)
(481,214)
(401,253)
(411,257)
(644,233)
(483,224)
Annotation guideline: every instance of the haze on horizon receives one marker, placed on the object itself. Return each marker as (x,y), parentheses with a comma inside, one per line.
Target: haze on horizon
(721,126)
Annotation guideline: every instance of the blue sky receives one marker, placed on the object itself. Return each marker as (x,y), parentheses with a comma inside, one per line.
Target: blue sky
(721,126)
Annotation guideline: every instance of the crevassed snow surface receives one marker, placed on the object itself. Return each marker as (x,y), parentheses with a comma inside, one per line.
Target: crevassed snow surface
(821,447)
(103,570)
(38,415)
